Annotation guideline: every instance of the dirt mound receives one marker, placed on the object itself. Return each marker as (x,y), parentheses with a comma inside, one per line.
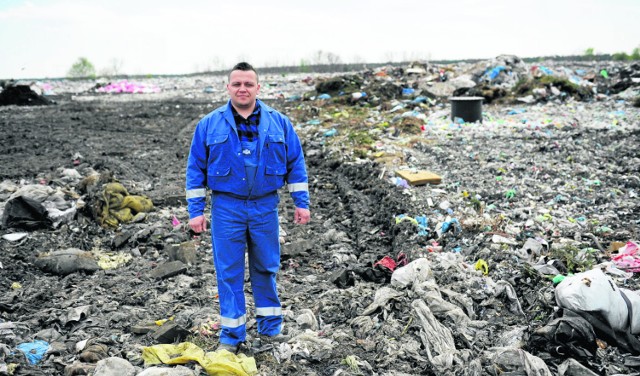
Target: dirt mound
(21,95)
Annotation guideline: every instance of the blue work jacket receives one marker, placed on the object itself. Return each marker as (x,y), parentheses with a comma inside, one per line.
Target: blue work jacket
(216,160)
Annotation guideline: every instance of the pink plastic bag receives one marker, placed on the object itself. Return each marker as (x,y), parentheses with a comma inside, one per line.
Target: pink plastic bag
(628,257)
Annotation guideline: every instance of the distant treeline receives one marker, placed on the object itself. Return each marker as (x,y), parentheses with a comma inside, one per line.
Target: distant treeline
(84,68)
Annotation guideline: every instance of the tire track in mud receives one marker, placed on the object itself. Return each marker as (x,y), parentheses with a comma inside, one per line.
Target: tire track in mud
(352,226)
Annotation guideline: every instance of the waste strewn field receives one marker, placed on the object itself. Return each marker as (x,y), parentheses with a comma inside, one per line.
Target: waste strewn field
(464,277)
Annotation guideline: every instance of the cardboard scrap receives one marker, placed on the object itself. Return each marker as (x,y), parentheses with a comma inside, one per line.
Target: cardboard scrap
(419,177)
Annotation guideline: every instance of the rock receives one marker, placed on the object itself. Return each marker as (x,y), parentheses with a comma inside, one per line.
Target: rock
(79,369)
(67,261)
(185,252)
(168,269)
(170,332)
(121,239)
(114,367)
(94,353)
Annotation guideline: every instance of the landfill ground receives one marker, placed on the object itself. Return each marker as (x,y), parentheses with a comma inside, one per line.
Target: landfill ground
(540,188)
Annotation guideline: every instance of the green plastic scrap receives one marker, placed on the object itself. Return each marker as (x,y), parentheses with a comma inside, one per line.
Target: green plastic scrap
(352,363)
(595,182)
(403,217)
(510,193)
(558,278)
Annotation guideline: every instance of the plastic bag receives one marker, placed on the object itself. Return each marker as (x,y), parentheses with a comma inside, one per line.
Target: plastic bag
(215,363)
(594,291)
(34,351)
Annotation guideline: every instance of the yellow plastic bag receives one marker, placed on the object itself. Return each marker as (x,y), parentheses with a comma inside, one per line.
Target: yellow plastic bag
(215,363)
(483,266)
(117,206)
(226,363)
(137,203)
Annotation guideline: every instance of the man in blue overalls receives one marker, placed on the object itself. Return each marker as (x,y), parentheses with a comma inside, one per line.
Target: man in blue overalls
(244,152)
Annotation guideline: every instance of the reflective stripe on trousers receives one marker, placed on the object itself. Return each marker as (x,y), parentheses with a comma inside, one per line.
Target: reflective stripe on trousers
(236,225)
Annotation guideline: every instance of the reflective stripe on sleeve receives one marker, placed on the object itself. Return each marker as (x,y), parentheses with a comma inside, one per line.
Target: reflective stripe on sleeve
(198,192)
(233,323)
(297,187)
(268,311)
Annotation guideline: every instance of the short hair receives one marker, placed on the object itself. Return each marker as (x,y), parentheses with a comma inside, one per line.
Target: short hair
(243,66)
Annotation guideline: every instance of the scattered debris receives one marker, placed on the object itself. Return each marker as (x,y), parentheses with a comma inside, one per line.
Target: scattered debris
(518,261)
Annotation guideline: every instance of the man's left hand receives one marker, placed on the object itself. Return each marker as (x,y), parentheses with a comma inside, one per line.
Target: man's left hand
(302,216)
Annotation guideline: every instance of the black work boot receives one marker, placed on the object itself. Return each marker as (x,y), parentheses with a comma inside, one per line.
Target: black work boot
(230,348)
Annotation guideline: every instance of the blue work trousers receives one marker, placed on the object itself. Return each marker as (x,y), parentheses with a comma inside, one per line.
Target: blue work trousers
(238,225)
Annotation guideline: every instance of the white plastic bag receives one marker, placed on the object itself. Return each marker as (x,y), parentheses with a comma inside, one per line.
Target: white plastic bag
(594,291)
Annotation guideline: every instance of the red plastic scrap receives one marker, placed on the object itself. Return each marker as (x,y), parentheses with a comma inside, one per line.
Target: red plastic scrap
(387,262)
(392,264)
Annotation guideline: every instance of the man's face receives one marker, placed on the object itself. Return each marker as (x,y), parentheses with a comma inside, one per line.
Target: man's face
(243,88)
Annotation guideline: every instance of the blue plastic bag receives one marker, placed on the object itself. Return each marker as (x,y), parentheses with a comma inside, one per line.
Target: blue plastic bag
(330,133)
(422,225)
(494,72)
(34,351)
(448,224)
(408,91)
(546,70)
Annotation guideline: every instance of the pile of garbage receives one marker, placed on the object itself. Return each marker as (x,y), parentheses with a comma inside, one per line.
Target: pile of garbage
(437,246)
(505,79)
(124,86)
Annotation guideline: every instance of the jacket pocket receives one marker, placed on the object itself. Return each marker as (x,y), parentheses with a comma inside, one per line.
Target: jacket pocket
(219,149)
(276,159)
(219,172)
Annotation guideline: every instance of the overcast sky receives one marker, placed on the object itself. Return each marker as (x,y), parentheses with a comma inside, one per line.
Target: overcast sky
(43,38)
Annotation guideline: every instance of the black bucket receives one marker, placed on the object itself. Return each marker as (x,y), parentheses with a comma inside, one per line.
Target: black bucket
(469,109)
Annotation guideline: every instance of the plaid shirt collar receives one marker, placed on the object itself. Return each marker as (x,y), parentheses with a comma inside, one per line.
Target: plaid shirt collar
(247,128)
(253,119)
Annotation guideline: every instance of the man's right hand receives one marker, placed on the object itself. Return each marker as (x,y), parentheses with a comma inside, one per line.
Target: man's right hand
(198,224)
